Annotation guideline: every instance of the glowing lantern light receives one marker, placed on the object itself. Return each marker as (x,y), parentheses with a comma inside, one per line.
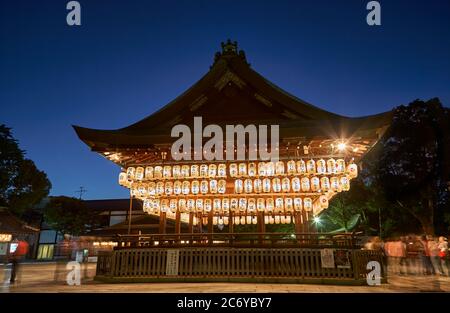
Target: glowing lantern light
(271,220)
(340,166)
(214,220)
(301,167)
(233,170)
(234,204)
(252,169)
(194,171)
(213,186)
(345,183)
(217,205)
(325,183)
(248,185)
(254,220)
(164,205)
(226,205)
(243,220)
(204,187)
(212,170)
(159,188)
(158,172)
(352,170)
(286,184)
(147,205)
(305,184)
(173,205)
(266,184)
(238,186)
(151,188)
(242,169)
(139,174)
(190,205)
(260,204)
(248,219)
(195,187)
(176,171)
(167,171)
(251,206)
(262,169)
(291,167)
(297,204)
(279,168)
(282,219)
(331,166)
(269,204)
(323,202)
(288,205)
(277,219)
(257,185)
(142,190)
(276,184)
(321,167)
(149,172)
(185,187)
(266,219)
(237,220)
(199,205)
(307,204)
(203,170)
(335,184)
(168,188)
(270,168)
(182,205)
(222,170)
(123,181)
(311,167)
(226,220)
(130,173)
(315,183)
(156,205)
(242,204)
(207,205)
(296,184)
(279,205)
(222,186)
(288,219)
(185,171)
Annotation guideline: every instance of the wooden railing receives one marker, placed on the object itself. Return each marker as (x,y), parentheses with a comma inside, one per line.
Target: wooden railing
(249,240)
(228,263)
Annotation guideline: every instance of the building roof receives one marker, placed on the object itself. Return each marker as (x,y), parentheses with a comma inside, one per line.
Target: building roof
(232,92)
(10,224)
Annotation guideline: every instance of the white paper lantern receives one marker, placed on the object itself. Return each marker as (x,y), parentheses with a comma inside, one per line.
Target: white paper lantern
(279,168)
(222,186)
(158,172)
(315,183)
(257,185)
(286,184)
(242,170)
(185,187)
(262,169)
(167,171)
(248,185)
(213,186)
(325,183)
(212,170)
(149,172)
(251,169)
(301,167)
(238,186)
(331,166)
(311,167)
(291,167)
(305,184)
(296,184)
(233,170)
(266,184)
(276,184)
(195,171)
(222,170)
(195,187)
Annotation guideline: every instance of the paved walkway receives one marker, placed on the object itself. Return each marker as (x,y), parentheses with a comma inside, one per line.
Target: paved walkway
(51,277)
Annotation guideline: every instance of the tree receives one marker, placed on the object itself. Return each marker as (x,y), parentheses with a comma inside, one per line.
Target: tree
(69,216)
(22,185)
(414,164)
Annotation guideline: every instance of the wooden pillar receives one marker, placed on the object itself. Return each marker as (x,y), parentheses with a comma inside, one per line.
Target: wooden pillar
(162,222)
(191,223)
(305,222)
(210,227)
(261,226)
(178,225)
(230,227)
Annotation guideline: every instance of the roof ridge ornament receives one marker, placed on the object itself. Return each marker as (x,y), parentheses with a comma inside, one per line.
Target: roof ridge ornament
(229,50)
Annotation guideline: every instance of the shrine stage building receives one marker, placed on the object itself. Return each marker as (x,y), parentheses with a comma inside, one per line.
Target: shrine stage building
(246,219)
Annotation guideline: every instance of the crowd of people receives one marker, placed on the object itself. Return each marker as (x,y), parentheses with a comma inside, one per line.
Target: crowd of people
(414,255)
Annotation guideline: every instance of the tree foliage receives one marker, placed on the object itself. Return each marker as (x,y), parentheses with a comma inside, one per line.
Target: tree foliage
(22,184)
(70,215)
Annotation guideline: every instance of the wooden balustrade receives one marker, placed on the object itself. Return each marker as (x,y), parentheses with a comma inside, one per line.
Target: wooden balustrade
(228,263)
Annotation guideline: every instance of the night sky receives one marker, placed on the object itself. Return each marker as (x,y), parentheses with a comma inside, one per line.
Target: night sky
(129,58)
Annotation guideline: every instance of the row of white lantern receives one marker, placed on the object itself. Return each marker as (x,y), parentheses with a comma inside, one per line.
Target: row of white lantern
(252,169)
(266,185)
(225,205)
(296,184)
(243,220)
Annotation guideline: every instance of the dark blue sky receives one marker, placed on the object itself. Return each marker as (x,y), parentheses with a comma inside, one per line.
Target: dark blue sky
(129,58)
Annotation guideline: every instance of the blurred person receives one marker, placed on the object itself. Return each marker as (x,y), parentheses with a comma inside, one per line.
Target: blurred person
(427,267)
(433,248)
(443,254)
(396,252)
(15,257)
